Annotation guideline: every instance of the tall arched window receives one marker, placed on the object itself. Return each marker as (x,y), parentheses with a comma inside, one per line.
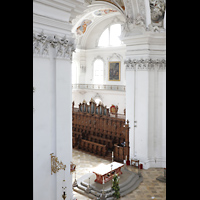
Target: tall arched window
(110,37)
(98,71)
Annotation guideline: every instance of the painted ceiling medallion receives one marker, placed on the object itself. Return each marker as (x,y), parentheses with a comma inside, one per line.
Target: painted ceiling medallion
(82,28)
(103,12)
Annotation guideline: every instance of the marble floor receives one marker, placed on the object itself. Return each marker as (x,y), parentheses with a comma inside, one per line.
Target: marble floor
(149,189)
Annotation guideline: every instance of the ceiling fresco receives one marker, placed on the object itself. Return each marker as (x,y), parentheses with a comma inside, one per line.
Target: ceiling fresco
(103,12)
(86,22)
(82,28)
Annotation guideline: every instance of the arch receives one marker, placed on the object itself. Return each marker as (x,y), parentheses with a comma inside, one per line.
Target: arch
(81,40)
(104,65)
(109,36)
(98,98)
(95,25)
(74,71)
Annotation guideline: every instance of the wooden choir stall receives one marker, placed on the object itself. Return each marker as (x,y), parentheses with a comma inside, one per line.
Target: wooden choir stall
(98,130)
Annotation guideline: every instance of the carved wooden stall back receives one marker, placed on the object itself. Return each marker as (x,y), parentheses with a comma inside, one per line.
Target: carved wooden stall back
(99,131)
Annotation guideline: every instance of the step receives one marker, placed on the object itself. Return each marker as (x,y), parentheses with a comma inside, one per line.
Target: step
(129,183)
(133,187)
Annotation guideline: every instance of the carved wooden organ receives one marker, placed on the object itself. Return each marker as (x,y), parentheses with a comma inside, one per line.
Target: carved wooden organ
(99,131)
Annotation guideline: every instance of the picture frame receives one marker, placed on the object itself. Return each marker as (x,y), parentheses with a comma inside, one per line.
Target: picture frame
(114,71)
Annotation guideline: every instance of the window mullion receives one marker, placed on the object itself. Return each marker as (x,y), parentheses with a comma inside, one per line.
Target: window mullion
(109,35)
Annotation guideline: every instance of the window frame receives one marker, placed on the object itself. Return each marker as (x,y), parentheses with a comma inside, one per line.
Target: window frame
(109,45)
(93,70)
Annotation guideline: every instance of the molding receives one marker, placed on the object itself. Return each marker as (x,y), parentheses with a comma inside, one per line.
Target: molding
(63,7)
(119,88)
(52,22)
(88,2)
(104,66)
(154,162)
(115,55)
(147,64)
(98,57)
(42,43)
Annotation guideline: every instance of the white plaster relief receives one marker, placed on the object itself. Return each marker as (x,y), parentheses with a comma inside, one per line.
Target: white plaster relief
(64,47)
(147,64)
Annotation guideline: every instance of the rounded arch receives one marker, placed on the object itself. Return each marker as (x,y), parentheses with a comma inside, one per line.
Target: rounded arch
(111,35)
(98,98)
(116,17)
(93,67)
(97,28)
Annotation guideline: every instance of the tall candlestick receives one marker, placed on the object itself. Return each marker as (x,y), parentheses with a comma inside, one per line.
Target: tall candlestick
(112,153)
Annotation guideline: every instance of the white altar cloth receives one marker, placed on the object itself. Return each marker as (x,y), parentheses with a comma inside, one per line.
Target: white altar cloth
(104,169)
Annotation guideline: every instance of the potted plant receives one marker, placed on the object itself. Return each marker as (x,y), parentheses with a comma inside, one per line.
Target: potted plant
(115,186)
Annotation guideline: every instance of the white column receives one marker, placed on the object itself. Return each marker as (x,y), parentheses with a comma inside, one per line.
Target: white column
(161,116)
(64,123)
(44,128)
(130,102)
(142,105)
(156,109)
(148,13)
(164,21)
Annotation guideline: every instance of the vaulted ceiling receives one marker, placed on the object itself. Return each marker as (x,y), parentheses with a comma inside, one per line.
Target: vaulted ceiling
(95,19)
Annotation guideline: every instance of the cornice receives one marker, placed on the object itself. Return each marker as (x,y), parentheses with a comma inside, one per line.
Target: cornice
(147,64)
(148,38)
(44,20)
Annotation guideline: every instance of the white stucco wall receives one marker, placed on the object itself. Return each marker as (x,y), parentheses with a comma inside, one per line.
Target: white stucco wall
(44,128)
(52,126)
(148,138)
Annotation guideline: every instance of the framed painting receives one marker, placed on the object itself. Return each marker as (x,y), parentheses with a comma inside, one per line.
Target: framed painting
(114,71)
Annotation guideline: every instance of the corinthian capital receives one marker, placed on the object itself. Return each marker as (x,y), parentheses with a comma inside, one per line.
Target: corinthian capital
(64,47)
(147,64)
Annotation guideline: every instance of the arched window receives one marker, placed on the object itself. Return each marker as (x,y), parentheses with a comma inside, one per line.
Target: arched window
(110,37)
(74,73)
(97,101)
(98,71)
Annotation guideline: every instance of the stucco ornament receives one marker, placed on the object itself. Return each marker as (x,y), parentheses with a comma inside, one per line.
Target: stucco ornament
(88,1)
(135,23)
(63,47)
(132,24)
(147,64)
(40,45)
(157,10)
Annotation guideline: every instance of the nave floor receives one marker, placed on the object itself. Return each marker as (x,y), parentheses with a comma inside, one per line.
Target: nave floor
(149,189)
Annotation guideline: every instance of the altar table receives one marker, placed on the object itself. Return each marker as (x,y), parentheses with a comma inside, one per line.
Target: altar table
(106,172)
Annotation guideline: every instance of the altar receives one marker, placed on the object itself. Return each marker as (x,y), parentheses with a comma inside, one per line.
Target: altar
(104,173)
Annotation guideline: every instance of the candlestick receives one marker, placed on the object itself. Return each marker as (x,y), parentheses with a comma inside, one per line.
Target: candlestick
(112,156)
